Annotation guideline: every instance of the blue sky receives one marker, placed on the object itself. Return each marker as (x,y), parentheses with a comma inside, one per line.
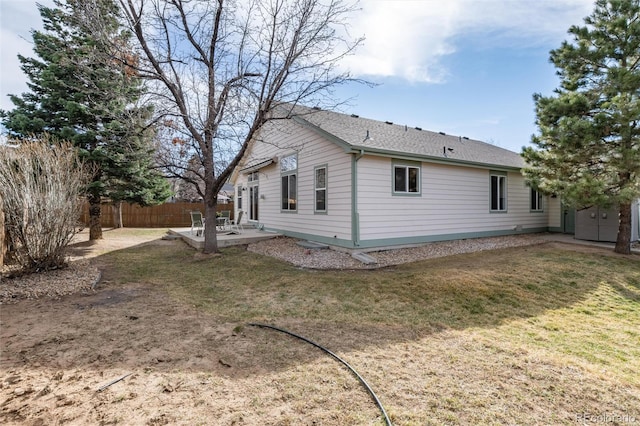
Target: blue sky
(464,67)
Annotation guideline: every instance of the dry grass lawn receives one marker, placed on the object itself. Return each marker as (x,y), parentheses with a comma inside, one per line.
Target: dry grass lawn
(548,334)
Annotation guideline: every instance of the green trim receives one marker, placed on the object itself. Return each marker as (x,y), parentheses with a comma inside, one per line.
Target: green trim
(239,198)
(355,222)
(385,242)
(431,159)
(542,201)
(498,173)
(401,162)
(563,218)
(403,241)
(555,229)
(324,166)
(338,242)
(287,174)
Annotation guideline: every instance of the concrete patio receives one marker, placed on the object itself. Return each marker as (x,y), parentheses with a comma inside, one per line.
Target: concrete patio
(225,238)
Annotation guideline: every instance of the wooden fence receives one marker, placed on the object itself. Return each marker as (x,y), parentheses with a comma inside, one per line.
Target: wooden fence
(161,216)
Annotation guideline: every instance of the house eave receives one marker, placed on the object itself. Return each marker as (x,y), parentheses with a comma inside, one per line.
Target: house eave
(257,166)
(361,150)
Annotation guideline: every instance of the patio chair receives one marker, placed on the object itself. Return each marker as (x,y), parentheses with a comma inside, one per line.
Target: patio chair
(197,223)
(224,220)
(236,224)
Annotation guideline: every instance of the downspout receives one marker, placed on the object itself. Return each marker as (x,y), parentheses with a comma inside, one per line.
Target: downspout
(355,215)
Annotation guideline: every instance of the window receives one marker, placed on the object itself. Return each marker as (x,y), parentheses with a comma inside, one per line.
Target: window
(536,201)
(498,193)
(239,196)
(289,170)
(321,189)
(406,179)
(289,163)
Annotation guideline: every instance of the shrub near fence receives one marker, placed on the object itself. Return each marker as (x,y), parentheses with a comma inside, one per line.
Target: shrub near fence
(161,216)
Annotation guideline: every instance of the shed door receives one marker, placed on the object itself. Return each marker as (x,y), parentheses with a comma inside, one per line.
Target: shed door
(587,224)
(597,224)
(568,220)
(608,225)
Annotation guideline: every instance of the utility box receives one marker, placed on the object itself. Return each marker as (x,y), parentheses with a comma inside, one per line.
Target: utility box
(599,224)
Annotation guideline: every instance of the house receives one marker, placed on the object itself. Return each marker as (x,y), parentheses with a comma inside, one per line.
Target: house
(357,183)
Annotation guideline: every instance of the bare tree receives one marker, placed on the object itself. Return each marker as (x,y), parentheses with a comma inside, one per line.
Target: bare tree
(222,67)
(42,186)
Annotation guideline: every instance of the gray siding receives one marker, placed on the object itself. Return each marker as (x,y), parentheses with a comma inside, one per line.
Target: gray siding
(286,138)
(453,200)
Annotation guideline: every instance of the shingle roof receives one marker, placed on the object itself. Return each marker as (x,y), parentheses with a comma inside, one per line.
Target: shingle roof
(386,138)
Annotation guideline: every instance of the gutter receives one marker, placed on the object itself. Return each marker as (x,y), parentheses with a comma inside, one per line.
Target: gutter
(431,159)
(355,214)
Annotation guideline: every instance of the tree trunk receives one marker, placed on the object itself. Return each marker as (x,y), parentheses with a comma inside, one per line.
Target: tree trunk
(623,243)
(210,234)
(210,198)
(95,227)
(117,215)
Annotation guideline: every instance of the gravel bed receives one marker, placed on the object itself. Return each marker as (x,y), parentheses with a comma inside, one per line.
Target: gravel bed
(288,250)
(79,276)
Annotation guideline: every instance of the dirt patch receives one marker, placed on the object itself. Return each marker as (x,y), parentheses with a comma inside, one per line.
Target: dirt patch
(184,367)
(61,359)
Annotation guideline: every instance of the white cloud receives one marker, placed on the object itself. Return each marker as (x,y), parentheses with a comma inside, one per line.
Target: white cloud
(404,38)
(409,38)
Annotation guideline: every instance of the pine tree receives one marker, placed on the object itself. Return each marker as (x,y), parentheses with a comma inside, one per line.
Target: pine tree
(130,175)
(79,93)
(588,149)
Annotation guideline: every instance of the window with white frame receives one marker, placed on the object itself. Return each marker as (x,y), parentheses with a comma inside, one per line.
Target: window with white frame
(536,201)
(321,189)
(239,197)
(406,179)
(498,193)
(289,177)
